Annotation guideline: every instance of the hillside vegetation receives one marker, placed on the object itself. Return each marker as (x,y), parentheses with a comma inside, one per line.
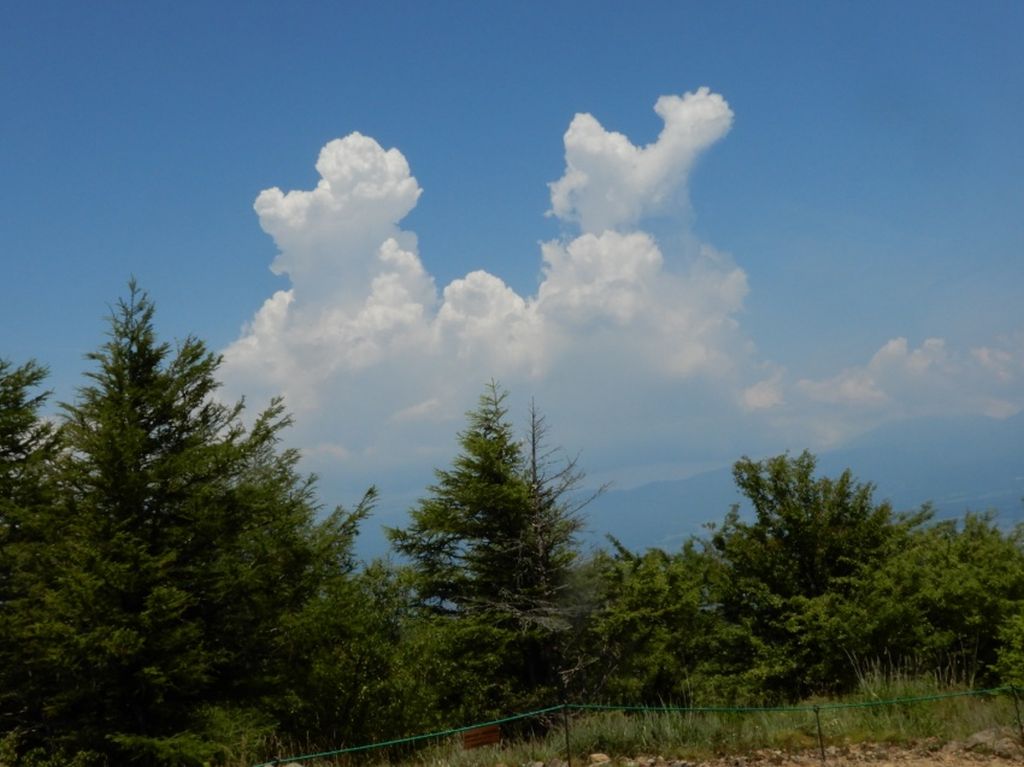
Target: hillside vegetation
(173,593)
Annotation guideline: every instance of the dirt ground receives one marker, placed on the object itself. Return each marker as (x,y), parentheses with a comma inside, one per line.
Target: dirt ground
(869,757)
(992,748)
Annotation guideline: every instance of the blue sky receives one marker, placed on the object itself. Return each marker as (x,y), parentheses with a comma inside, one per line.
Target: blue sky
(843,248)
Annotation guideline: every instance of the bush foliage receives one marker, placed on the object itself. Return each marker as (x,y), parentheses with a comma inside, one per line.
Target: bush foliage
(172,593)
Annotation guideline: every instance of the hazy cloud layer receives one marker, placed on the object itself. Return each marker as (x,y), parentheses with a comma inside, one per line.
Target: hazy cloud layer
(636,352)
(900,381)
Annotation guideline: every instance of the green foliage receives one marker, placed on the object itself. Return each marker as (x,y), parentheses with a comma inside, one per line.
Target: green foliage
(940,602)
(1011,653)
(177,564)
(810,535)
(787,582)
(171,592)
(27,450)
(25,439)
(349,652)
(491,550)
(466,536)
(645,635)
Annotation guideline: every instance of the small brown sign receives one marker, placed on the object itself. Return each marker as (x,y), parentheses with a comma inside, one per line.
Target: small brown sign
(481,736)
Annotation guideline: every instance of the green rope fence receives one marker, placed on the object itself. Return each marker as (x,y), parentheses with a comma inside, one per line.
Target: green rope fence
(598,707)
(412,738)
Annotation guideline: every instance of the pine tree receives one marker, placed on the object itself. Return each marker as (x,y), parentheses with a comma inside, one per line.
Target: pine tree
(465,535)
(555,521)
(27,448)
(490,549)
(183,549)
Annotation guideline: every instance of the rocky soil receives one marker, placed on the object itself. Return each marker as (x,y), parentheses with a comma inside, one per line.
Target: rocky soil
(998,747)
(993,748)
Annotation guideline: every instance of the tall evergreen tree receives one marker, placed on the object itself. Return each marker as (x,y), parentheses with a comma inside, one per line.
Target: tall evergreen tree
(468,536)
(554,521)
(490,549)
(183,548)
(27,449)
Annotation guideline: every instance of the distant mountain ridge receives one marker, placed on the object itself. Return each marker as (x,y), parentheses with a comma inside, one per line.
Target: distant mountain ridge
(957,463)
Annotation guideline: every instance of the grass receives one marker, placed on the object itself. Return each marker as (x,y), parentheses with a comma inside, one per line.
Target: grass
(699,735)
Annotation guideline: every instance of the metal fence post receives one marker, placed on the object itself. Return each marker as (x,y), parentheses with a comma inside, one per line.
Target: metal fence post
(821,739)
(1016,707)
(565,725)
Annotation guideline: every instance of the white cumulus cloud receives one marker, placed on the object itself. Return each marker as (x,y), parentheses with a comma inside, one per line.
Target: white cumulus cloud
(329,237)
(609,182)
(371,355)
(634,347)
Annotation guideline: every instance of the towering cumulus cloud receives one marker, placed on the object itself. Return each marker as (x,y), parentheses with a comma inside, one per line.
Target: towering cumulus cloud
(329,237)
(370,355)
(633,347)
(609,183)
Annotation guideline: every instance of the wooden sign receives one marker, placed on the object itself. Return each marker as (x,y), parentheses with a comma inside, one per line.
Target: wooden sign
(481,736)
